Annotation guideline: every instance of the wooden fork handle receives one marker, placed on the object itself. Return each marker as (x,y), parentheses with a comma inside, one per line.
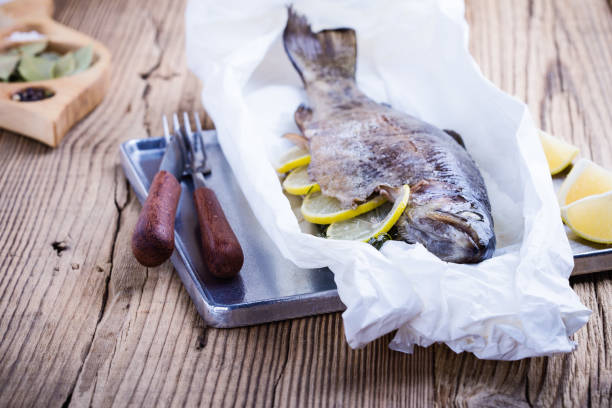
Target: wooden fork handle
(222,252)
(153,238)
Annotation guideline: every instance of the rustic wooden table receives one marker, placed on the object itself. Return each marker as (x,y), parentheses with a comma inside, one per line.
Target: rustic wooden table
(81,323)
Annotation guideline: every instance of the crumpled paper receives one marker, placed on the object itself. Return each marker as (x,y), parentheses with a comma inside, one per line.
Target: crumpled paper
(413,55)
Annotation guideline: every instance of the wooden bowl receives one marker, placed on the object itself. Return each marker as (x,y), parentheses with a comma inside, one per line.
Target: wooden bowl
(76,95)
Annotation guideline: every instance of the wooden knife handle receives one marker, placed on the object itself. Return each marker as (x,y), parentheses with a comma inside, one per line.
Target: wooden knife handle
(153,239)
(222,251)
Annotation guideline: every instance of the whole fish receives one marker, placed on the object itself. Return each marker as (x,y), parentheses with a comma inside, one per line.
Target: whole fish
(360,148)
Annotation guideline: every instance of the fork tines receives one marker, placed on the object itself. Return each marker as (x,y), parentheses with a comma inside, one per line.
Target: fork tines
(193,142)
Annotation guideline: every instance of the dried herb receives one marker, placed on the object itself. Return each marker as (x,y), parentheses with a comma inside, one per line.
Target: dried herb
(31,62)
(31,49)
(8,63)
(83,57)
(51,55)
(64,66)
(35,68)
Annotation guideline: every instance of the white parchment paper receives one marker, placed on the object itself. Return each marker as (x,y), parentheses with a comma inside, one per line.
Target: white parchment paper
(413,55)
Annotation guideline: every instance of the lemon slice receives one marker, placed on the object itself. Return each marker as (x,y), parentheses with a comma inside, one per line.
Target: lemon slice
(320,209)
(371,224)
(585,179)
(293,158)
(559,153)
(591,217)
(298,182)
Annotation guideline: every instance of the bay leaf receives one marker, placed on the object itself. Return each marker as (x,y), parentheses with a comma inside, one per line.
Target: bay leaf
(32,48)
(7,65)
(64,66)
(36,68)
(83,57)
(50,55)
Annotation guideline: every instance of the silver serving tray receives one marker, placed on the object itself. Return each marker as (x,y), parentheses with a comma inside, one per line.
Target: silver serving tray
(589,257)
(269,287)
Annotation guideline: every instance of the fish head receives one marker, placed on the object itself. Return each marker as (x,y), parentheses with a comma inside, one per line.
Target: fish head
(451,226)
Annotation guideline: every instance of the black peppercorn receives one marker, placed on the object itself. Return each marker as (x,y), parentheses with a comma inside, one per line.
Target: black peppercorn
(32,94)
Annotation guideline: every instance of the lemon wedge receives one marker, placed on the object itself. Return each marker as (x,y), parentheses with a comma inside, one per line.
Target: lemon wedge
(559,153)
(591,217)
(371,224)
(298,182)
(585,179)
(320,209)
(293,158)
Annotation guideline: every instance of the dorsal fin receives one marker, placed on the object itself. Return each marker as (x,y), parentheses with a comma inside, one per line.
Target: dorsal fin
(455,136)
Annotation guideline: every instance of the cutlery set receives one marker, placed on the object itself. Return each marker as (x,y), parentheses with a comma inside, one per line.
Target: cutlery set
(153,238)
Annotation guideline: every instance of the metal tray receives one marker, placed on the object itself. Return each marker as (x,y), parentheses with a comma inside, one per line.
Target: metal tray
(269,287)
(589,257)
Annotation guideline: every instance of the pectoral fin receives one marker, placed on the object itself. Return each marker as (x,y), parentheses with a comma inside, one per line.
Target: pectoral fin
(299,140)
(302,115)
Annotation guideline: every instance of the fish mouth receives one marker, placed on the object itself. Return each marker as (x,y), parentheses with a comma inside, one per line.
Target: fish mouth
(465,237)
(469,241)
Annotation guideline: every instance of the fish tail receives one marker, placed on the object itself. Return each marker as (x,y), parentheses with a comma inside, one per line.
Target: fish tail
(326,55)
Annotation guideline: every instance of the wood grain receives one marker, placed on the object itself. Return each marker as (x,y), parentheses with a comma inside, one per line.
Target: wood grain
(222,251)
(82,323)
(153,238)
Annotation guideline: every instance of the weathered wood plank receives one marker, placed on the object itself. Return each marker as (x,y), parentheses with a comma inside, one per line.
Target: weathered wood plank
(111,332)
(556,57)
(51,299)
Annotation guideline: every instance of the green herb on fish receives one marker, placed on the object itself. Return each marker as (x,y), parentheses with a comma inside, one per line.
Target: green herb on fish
(322,230)
(377,242)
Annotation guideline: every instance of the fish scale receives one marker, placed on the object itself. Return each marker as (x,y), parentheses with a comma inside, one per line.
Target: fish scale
(359,147)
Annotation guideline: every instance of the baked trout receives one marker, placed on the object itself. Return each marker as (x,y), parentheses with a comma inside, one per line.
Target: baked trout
(360,148)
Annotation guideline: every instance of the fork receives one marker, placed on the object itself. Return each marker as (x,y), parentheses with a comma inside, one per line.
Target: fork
(221,249)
